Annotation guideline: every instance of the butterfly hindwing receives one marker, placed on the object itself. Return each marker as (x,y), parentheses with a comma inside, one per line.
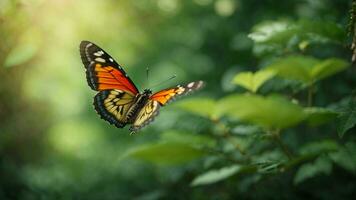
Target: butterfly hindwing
(102,71)
(146,115)
(168,95)
(113,105)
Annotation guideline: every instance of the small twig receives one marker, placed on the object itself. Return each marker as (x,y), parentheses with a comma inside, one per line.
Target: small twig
(310,95)
(278,140)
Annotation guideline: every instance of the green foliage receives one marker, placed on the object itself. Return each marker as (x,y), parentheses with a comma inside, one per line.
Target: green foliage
(253,81)
(346,157)
(216,175)
(173,148)
(347,119)
(204,107)
(322,165)
(281,36)
(166,153)
(317,116)
(194,140)
(319,147)
(307,69)
(270,112)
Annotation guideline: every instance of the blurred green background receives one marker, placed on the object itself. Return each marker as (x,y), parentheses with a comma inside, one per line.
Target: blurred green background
(212,145)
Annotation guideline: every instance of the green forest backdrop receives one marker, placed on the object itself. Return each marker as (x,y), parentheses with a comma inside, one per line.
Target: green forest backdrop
(275,120)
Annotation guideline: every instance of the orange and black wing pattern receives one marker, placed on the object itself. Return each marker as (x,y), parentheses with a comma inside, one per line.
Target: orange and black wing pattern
(116,90)
(166,96)
(102,71)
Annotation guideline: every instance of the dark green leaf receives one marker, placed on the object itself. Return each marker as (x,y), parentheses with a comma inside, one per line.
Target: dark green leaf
(322,146)
(347,119)
(317,116)
(346,157)
(322,165)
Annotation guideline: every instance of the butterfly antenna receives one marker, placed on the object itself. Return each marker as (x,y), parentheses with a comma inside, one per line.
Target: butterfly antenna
(170,78)
(147,72)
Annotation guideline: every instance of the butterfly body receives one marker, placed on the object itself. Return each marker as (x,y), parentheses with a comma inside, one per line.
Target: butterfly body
(118,100)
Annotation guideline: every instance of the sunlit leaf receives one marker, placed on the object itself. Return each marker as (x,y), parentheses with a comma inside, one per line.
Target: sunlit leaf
(267,31)
(327,68)
(166,153)
(216,175)
(271,112)
(20,54)
(317,116)
(307,69)
(322,165)
(253,81)
(294,67)
(200,106)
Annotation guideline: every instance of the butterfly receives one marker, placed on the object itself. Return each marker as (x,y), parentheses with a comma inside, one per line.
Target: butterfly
(118,100)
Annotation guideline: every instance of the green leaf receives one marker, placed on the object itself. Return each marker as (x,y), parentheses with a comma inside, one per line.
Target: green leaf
(200,106)
(327,68)
(20,54)
(267,31)
(317,116)
(347,119)
(294,67)
(307,69)
(270,112)
(214,176)
(25,49)
(346,157)
(191,139)
(253,81)
(322,146)
(166,153)
(322,165)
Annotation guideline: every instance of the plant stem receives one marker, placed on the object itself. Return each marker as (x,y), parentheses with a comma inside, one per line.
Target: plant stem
(278,140)
(310,95)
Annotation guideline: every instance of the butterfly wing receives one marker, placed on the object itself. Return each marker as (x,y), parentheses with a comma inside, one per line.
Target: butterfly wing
(102,71)
(116,90)
(151,109)
(146,115)
(113,105)
(168,95)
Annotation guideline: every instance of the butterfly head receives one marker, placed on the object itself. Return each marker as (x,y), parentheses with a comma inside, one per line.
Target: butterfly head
(147,92)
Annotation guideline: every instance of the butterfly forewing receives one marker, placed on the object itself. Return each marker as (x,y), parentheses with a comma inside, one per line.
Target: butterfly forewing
(168,95)
(102,71)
